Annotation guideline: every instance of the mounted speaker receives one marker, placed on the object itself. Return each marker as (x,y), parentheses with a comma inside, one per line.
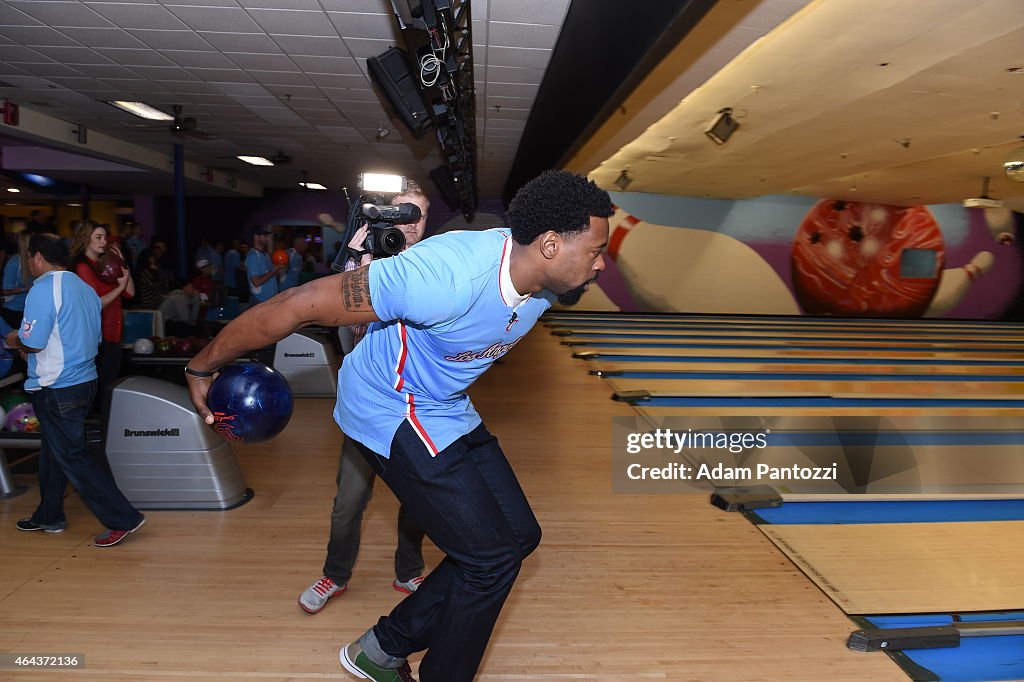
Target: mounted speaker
(390,72)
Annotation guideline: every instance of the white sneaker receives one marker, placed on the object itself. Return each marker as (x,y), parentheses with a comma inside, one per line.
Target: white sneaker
(409,586)
(315,597)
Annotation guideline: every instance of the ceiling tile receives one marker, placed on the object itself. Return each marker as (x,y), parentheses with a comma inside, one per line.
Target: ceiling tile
(368,48)
(280,4)
(506,34)
(515,56)
(37,35)
(137,15)
(102,37)
(293,22)
(228,19)
(328,65)
(362,25)
(222,75)
(317,46)
(55,69)
(107,71)
(279,77)
(73,55)
(255,43)
(132,57)
(172,40)
(202,60)
(16,54)
(513,74)
(261,62)
(550,12)
(331,80)
(11,16)
(73,14)
(171,73)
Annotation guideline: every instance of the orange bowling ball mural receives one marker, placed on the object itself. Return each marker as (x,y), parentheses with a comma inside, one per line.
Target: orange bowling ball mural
(858,259)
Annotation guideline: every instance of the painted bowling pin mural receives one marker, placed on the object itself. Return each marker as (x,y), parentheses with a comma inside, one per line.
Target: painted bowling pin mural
(835,258)
(679,269)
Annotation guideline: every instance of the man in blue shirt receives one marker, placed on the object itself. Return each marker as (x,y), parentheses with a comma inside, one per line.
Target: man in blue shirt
(262,273)
(60,334)
(296,258)
(440,314)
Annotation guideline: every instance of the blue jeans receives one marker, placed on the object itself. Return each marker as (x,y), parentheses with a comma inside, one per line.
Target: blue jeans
(471,506)
(63,458)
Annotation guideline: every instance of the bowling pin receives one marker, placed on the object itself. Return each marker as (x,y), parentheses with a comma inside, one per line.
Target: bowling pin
(954,283)
(682,269)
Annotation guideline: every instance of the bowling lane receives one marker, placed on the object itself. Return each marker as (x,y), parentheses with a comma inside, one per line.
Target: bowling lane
(812,385)
(789,349)
(758,366)
(826,361)
(783,320)
(802,339)
(810,330)
(909,568)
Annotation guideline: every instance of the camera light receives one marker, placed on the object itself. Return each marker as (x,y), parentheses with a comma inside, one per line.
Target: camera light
(380,182)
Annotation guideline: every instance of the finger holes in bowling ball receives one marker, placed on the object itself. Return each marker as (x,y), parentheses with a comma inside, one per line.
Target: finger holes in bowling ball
(251,402)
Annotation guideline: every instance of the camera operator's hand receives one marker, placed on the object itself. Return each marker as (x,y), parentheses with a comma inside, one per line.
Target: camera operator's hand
(358,242)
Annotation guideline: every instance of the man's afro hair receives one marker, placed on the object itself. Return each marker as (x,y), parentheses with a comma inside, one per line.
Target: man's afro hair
(558,201)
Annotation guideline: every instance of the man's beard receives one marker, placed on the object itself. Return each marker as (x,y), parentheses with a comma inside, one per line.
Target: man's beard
(572,296)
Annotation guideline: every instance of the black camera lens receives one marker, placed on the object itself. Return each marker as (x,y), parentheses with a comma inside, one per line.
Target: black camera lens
(392,241)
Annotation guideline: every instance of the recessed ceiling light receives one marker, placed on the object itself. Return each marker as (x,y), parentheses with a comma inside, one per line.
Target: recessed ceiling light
(311,185)
(256,160)
(13,189)
(142,110)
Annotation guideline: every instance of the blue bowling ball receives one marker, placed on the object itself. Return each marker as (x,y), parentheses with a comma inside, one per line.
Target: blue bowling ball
(251,402)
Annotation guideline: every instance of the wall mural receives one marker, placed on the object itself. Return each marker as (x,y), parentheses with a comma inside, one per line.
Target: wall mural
(796,256)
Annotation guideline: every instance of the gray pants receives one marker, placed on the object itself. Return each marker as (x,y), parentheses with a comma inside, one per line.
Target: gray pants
(355,488)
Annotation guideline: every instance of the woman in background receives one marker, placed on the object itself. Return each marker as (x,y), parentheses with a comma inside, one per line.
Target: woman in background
(88,243)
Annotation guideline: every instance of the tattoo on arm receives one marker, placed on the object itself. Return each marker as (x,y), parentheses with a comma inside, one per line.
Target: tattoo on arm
(355,290)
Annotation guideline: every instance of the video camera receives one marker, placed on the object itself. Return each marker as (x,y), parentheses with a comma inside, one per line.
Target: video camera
(383,239)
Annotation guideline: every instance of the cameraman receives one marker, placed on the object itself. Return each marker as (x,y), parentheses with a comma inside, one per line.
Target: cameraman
(356,476)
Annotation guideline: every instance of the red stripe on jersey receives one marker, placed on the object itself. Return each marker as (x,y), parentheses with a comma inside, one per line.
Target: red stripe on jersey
(403,353)
(418,427)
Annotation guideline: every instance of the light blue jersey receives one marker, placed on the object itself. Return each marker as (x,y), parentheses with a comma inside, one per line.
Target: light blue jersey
(258,263)
(450,311)
(12,280)
(62,320)
(291,275)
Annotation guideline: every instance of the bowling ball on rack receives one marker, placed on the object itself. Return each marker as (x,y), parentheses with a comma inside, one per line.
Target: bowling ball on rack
(199,343)
(163,346)
(143,347)
(181,346)
(22,417)
(280,257)
(109,267)
(251,402)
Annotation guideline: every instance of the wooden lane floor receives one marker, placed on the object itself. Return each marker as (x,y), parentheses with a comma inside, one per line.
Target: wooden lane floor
(973,338)
(910,567)
(566,317)
(809,384)
(623,587)
(659,346)
(782,350)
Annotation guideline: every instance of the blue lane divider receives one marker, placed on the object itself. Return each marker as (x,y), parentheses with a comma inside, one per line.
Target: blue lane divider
(599,330)
(803,360)
(787,346)
(824,401)
(977,659)
(879,511)
(816,376)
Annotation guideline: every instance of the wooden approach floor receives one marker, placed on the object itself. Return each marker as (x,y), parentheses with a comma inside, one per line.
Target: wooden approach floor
(623,587)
